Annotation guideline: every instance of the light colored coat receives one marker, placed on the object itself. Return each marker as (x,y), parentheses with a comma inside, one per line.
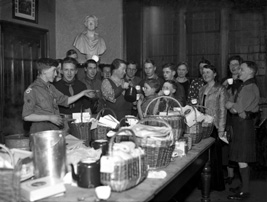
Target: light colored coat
(215,102)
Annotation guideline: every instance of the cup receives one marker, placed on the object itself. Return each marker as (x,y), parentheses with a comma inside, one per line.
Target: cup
(166,92)
(230,81)
(103,144)
(103,192)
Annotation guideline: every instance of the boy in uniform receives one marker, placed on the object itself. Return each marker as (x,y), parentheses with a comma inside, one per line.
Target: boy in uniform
(41,99)
(244,108)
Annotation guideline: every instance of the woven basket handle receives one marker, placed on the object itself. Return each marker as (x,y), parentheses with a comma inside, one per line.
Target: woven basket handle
(101,112)
(9,153)
(110,149)
(160,121)
(166,97)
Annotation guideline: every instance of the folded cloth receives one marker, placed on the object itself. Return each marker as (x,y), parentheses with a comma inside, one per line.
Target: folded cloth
(157,174)
(127,147)
(141,130)
(208,119)
(224,139)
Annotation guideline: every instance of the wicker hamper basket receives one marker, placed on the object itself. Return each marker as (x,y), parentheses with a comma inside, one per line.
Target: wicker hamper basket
(195,131)
(127,173)
(158,151)
(81,131)
(175,121)
(207,128)
(10,180)
(101,131)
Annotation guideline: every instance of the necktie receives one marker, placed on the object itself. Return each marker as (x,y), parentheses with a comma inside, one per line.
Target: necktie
(71,90)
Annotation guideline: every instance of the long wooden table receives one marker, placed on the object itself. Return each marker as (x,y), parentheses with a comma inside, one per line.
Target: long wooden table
(178,172)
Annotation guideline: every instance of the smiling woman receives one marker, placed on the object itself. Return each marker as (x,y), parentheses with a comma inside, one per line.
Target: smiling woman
(213,97)
(113,90)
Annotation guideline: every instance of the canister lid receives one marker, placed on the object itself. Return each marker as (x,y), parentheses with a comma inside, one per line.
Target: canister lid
(88,160)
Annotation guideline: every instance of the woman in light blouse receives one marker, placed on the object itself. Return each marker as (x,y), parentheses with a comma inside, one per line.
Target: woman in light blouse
(113,90)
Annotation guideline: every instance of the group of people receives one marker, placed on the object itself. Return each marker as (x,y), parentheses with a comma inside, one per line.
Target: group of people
(59,90)
(234,105)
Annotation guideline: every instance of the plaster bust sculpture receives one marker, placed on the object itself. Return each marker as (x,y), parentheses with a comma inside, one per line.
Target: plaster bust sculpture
(89,42)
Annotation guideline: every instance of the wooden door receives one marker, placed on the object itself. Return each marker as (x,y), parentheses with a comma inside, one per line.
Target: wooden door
(20,46)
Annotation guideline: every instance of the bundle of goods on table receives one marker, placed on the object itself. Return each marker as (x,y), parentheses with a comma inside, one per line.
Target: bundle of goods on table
(122,159)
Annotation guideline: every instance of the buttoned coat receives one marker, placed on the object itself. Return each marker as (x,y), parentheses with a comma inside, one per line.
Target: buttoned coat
(215,103)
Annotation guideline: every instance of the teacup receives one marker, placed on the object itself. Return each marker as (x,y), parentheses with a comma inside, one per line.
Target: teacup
(230,81)
(103,192)
(166,92)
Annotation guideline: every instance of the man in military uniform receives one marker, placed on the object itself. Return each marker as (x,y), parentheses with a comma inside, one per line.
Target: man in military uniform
(41,99)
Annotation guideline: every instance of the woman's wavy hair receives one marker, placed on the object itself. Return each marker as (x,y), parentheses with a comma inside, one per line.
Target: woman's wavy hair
(212,68)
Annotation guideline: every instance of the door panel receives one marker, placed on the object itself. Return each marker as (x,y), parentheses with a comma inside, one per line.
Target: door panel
(21,46)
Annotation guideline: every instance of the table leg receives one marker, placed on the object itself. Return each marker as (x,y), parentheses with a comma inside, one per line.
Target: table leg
(205,178)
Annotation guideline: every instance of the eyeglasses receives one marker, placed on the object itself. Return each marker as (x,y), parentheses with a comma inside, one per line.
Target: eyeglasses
(132,70)
(234,65)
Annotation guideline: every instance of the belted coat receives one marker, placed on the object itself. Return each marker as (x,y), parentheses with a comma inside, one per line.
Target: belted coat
(215,103)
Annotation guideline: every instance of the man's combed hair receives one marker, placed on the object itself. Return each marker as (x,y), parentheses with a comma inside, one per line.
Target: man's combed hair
(71,52)
(70,60)
(90,61)
(171,66)
(153,83)
(117,62)
(253,66)
(148,60)
(173,83)
(46,63)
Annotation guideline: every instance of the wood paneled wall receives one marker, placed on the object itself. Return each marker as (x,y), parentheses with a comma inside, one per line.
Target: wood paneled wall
(175,31)
(20,46)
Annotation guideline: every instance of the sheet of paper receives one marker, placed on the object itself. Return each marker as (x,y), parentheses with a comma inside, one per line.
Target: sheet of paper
(77,116)
(224,139)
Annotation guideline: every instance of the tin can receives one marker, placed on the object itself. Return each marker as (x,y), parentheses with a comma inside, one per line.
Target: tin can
(188,140)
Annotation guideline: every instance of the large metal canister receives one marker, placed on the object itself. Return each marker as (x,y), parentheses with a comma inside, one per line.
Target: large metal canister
(49,153)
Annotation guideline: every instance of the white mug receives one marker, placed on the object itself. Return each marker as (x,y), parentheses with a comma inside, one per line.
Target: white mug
(230,81)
